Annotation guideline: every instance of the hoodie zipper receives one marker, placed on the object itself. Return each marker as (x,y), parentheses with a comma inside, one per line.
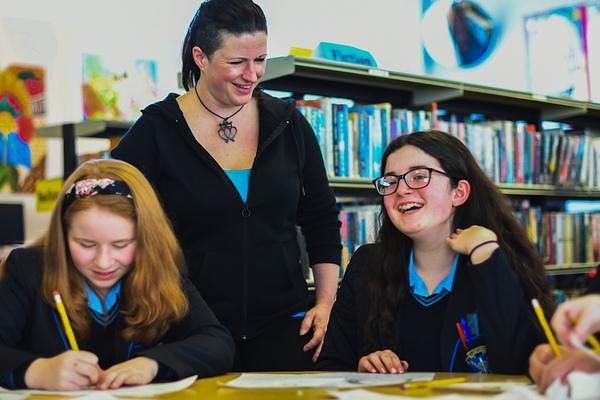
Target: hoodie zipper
(246,213)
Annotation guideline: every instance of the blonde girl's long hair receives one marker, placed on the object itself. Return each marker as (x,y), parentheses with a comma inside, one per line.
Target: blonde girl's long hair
(152,293)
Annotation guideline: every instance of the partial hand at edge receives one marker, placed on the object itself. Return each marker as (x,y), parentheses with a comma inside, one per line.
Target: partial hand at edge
(570,360)
(586,310)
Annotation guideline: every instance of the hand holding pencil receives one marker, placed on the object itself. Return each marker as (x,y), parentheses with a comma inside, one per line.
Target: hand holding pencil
(549,362)
(580,317)
(71,370)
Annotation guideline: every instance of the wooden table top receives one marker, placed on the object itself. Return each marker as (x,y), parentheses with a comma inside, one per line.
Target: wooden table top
(213,388)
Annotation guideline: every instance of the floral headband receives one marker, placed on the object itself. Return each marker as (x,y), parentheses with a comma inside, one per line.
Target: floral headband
(93,186)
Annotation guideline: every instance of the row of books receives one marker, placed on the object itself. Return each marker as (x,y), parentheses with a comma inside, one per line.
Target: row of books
(514,152)
(360,224)
(562,238)
(353,138)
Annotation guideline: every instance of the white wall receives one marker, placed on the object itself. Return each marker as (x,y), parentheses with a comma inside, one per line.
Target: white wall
(389,29)
(55,33)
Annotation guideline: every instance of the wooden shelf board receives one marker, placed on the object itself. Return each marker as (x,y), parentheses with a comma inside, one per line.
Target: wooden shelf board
(571,269)
(330,78)
(508,189)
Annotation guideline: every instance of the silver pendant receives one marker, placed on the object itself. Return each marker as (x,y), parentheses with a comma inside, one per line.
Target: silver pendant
(227,131)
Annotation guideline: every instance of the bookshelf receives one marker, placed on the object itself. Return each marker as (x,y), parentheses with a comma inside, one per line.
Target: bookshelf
(373,85)
(366,85)
(301,75)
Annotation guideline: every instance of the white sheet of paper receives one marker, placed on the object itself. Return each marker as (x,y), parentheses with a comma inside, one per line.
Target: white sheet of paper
(584,385)
(98,395)
(514,391)
(339,380)
(361,394)
(151,390)
(490,386)
(6,394)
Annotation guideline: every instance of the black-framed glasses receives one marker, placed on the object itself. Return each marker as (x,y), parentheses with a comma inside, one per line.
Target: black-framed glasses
(416,178)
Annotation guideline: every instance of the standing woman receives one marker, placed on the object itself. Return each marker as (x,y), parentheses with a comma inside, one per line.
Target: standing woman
(237,170)
(450,257)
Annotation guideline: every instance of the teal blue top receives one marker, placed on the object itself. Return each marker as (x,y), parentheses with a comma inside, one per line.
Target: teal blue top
(240,179)
(104,312)
(419,289)
(96,304)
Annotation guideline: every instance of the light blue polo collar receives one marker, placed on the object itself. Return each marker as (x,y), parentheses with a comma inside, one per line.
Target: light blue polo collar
(95,303)
(419,288)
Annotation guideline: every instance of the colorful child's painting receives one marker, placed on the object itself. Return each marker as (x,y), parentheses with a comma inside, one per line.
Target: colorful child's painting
(115,92)
(17,129)
(35,82)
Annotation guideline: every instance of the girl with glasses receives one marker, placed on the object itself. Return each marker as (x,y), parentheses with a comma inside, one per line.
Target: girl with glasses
(446,287)
(132,317)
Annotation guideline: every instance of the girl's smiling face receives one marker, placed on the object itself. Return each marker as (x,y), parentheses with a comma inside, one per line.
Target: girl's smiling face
(102,246)
(424,213)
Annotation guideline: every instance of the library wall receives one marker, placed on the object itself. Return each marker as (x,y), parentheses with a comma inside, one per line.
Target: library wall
(55,35)
(391,31)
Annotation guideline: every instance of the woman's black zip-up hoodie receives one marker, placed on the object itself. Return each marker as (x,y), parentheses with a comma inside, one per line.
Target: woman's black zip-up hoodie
(243,257)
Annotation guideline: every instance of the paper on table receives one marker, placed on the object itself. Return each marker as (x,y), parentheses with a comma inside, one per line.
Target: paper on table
(584,386)
(97,395)
(361,394)
(5,394)
(482,387)
(329,379)
(515,392)
(522,392)
(151,390)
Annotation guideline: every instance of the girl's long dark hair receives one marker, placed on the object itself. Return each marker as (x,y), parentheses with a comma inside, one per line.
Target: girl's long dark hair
(486,206)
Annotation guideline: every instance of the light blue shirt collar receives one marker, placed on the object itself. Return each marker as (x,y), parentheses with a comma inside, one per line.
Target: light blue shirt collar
(418,286)
(95,303)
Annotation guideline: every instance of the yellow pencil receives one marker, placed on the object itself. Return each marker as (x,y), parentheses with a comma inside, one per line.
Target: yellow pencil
(65,320)
(432,383)
(540,314)
(594,343)
(591,339)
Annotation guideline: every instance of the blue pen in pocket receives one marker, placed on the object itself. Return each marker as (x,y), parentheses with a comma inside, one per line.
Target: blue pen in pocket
(476,356)
(467,331)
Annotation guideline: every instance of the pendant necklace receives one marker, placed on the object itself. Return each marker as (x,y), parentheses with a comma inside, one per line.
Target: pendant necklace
(226,131)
